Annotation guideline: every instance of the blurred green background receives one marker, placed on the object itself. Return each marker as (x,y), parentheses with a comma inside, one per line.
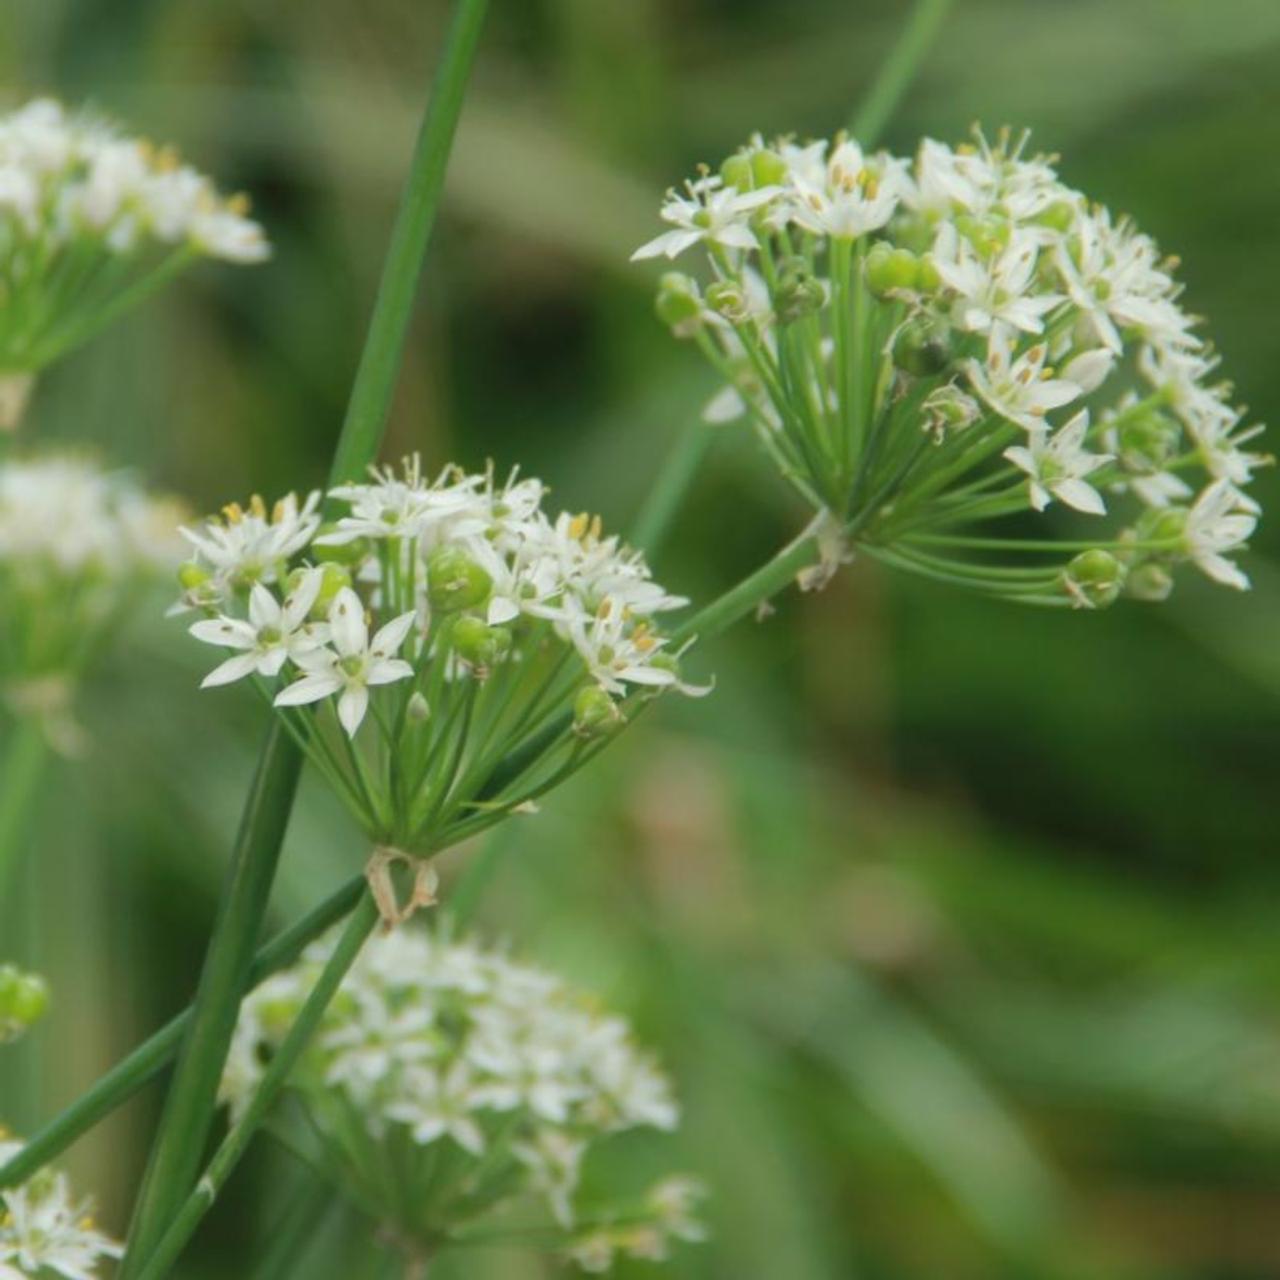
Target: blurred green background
(955,923)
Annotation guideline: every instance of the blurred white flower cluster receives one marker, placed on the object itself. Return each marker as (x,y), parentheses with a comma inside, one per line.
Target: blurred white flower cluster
(77,546)
(925,346)
(91,219)
(482,1082)
(45,1231)
(431,628)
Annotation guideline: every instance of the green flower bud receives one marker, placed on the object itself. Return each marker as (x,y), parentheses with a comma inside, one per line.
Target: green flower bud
(890,270)
(1165,525)
(728,298)
(1094,578)
(478,644)
(594,712)
(24,997)
(192,575)
(1149,582)
(736,172)
(751,170)
(340,553)
(923,347)
(419,709)
(798,293)
(455,581)
(1147,441)
(678,305)
(927,278)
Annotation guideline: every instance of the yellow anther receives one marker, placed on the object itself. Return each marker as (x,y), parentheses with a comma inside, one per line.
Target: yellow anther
(233,512)
(258,507)
(239,204)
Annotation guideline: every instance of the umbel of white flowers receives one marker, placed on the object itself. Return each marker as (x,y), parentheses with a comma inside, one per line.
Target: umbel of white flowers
(90,221)
(435,628)
(483,1083)
(24,997)
(941,354)
(77,546)
(45,1230)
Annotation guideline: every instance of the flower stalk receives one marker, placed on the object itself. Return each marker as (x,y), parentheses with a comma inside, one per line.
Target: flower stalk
(190,1105)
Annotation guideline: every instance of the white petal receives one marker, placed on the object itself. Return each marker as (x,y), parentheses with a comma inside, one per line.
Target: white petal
(1080,495)
(298,603)
(309,689)
(236,668)
(391,637)
(264,608)
(352,706)
(347,624)
(387,671)
(229,633)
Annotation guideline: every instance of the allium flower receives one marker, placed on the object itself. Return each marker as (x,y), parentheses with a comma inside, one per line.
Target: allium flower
(435,627)
(91,220)
(24,997)
(440,1056)
(912,340)
(45,1231)
(77,546)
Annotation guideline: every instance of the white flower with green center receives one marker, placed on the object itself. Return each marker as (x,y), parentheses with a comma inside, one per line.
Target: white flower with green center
(995,289)
(1058,465)
(352,665)
(711,213)
(1019,388)
(1216,525)
(857,194)
(273,634)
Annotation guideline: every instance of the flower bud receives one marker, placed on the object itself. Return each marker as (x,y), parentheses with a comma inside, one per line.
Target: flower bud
(192,575)
(948,409)
(678,305)
(594,713)
(1147,441)
(923,347)
(1093,578)
(24,997)
(1164,525)
(1149,582)
(728,298)
(751,170)
(890,270)
(478,644)
(798,293)
(419,709)
(455,581)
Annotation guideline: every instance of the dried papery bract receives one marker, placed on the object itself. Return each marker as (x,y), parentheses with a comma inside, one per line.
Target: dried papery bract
(434,628)
(78,546)
(91,221)
(46,1231)
(937,352)
(484,1083)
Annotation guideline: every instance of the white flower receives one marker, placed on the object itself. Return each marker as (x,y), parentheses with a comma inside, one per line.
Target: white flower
(1057,465)
(353,664)
(855,194)
(255,545)
(441,1105)
(1017,389)
(1215,525)
(712,213)
(999,289)
(273,634)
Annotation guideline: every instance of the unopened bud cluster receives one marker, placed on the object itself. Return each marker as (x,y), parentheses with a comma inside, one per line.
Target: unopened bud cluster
(960,340)
(89,218)
(483,1083)
(432,627)
(46,1231)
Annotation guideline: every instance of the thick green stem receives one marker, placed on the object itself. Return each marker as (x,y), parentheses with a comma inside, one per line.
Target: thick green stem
(129,1075)
(24,763)
(898,70)
(189,1110)
(234,1145)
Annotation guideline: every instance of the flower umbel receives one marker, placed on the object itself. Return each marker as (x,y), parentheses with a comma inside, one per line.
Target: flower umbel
(91,220)
(941,348)
(490,1081)
(434,628)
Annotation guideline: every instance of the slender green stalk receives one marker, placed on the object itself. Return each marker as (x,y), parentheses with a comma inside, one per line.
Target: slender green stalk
(234,1145)
(129,1075)
(898,70)
(25,759)
(189,1110)
(291,1238)
(653,523)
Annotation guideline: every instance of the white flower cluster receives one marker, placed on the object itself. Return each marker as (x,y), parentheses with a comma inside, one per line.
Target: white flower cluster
(1038,341)
(426,597)
(431,1042)
(90,221)
(66,177)
(45,1231)
(77,543)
